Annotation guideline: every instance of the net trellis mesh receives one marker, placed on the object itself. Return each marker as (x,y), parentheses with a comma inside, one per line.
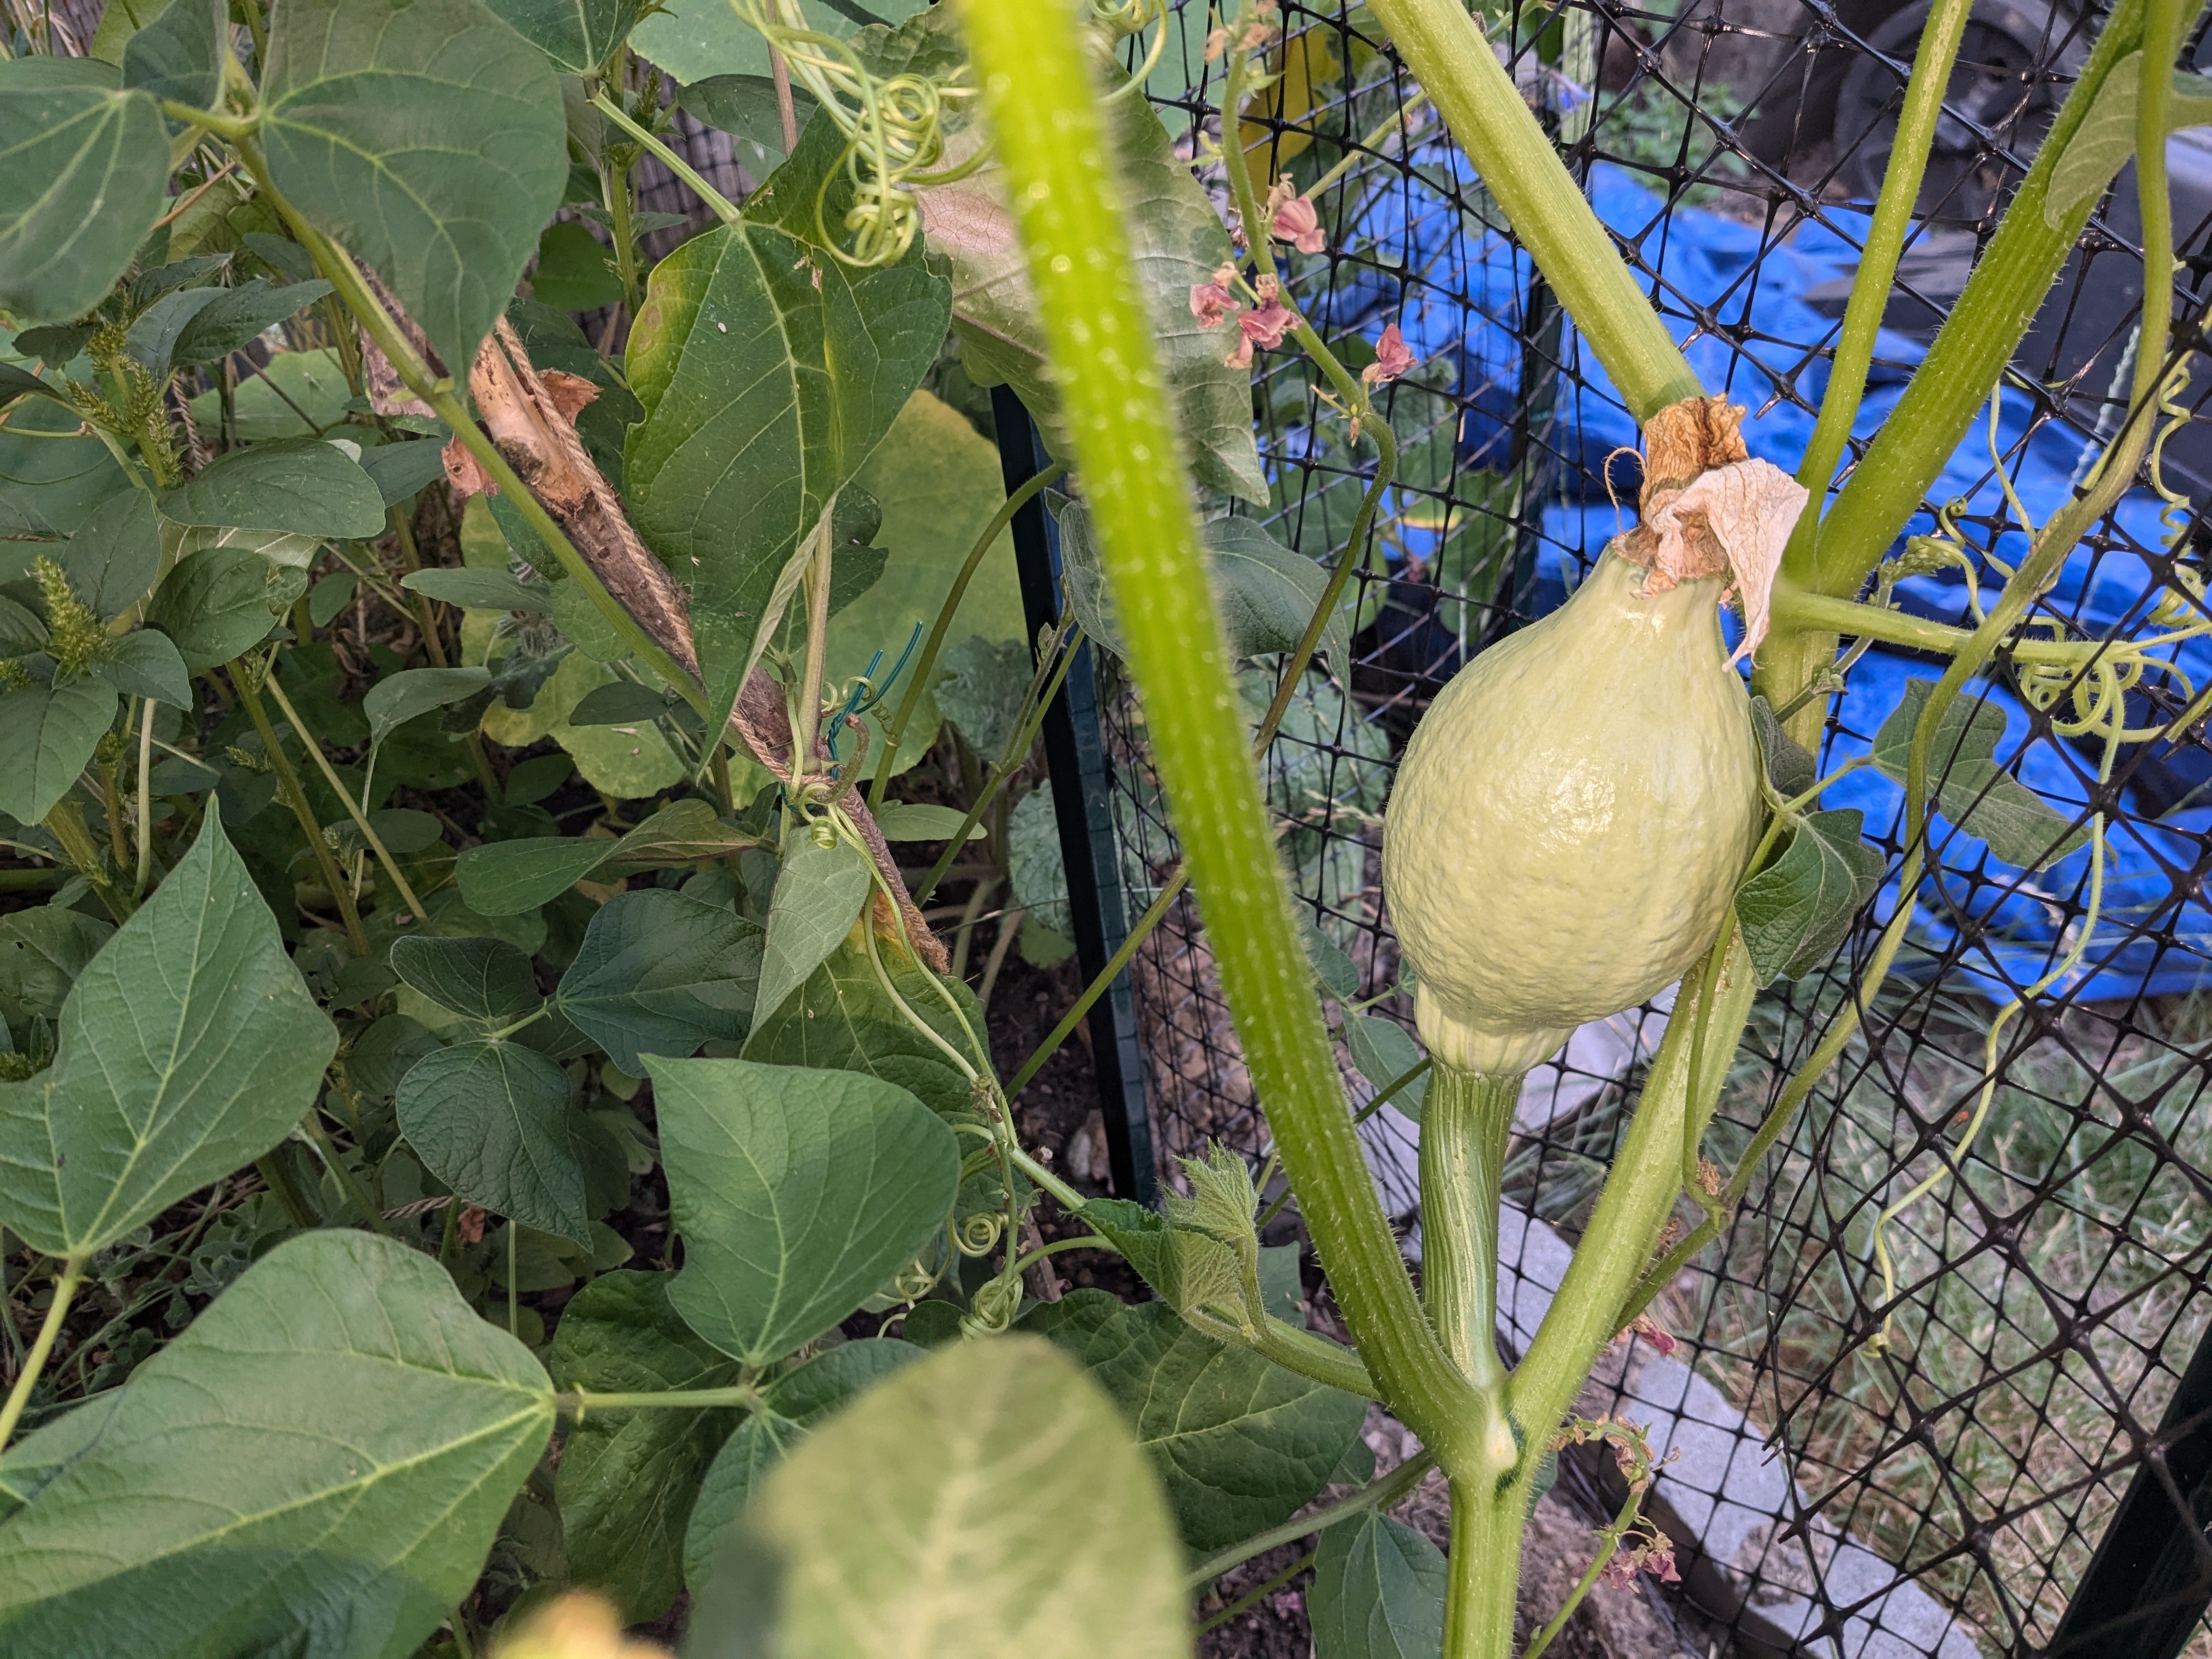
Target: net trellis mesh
(1945,1494)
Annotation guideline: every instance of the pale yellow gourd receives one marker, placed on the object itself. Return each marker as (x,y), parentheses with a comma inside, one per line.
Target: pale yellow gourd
(1571,818)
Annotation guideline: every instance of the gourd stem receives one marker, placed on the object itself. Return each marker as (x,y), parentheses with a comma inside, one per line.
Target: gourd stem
(1482,1579)
(1464,1122)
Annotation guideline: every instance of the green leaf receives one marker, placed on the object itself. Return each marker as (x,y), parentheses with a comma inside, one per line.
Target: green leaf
(492,1120)
(620,702)
(902,820)
(507,877)
(179,54)
(744,106)
(627,1478)
(301,486)
(115,554)
(1384,1053)
(578,35)
(1266,593)
(982,689)
(214,605)
(16,382)
(41,953)
(935,1515)
(481,590)
(790,1407)
(29,1466)
(1797,910)
(1379,1593)
(818,898)
(188,1047)
(318,1466)
(681,833)
(659,973)
(145,663)
(768,369)
(398,698)
(83,169)
(47,734)
(426,136)
(152,341)
(486,979)
(573,273)
(841,1020)
(693,41)
(240,315)
(797,1194)
(401,470)
(1240,1442)
(1177,242)
(2106,138)
(1790,767)
(1970,789)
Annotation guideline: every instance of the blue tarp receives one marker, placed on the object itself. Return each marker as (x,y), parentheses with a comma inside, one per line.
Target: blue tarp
(1467,306)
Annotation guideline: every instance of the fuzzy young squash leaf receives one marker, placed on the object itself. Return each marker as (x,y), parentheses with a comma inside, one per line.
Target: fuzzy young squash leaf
(84,165)
(797,1192)
(659,973)
(492,1120)
(319,1465)
(790,1407)
(627,1478)
(425,136)
(1379,1593)
(1797,910)
(47,734)
(769,369)
(1240,1442)
(934,1515)
(187,1047)
(1970,789)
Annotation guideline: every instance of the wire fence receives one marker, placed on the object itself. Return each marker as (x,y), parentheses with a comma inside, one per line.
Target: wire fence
(1946,1492)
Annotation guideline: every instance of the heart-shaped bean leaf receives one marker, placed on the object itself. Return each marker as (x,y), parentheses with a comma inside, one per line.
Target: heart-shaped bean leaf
(493,1121)
(659,974)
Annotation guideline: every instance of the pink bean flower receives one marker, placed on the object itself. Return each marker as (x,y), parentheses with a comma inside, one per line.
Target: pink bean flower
(1393,357)
(1264,327)
(1212,303)
(1298,224)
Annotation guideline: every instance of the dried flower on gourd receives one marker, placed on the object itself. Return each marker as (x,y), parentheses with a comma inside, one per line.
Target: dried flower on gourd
(1291,218)
(1393,358)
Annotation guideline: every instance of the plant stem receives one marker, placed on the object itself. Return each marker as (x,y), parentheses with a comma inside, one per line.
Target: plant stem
(1466,1121)
(580,1401)
(1383,1494)
(1266,1586)
(1445,47)
(287,782)
(345,799)
(717,203)
(1042,106)
(2007,287)
(42,1347)
(1808,610)
(1483,1570)
(1639,1195)
(925,665)
(145,800)
(1612,1535)
(1870,289)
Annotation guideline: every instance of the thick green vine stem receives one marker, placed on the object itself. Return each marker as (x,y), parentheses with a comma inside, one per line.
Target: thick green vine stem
(1042,99)
(1443,43)
(1465,1123)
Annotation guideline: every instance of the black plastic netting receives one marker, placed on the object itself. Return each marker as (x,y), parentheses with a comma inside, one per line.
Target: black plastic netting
(1946,1495)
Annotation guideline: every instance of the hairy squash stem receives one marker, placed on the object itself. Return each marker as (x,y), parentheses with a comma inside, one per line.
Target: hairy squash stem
(1042,99)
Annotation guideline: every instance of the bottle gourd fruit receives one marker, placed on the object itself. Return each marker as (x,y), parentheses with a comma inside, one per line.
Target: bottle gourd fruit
(1574,812)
